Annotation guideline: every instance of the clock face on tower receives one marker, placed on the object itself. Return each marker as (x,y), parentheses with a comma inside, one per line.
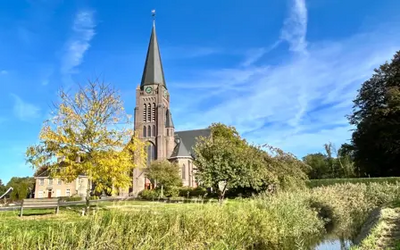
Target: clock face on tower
(165,93)
(148,90)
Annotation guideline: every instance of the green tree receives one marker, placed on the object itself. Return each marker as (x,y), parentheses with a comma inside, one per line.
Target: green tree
(319,167)
(376,115)
(226,161)
(345,160)
(22,187)
(164,175)
(89,133)
(2,188)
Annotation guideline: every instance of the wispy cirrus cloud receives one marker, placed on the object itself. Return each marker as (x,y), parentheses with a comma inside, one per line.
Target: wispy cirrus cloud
(83,32)
(298,104)
(23,110)
(3,72)
(295,27)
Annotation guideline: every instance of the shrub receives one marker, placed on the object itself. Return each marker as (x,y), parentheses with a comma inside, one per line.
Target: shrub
(192,192)
(149,194)
(171,192)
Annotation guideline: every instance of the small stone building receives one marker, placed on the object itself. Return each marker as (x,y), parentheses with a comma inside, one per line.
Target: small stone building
(49,188)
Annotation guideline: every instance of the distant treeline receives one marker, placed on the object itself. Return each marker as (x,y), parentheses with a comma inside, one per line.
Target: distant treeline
(329,182)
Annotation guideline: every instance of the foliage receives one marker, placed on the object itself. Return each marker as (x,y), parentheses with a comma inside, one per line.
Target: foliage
(226,161)
(328,165)
(89,133)
(329,182)
(23,187)
(319,167)
(164,175)
(376,115)
(40,170)
(192,192)
(2,188)
(149,194)
(288,220)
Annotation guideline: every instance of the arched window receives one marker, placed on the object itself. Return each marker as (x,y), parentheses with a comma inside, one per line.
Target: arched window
(154,152)
(144,112)
(154,130)
(154,112)
(167,132)
(149,112)
(150,131)
(149,154)
(144,131)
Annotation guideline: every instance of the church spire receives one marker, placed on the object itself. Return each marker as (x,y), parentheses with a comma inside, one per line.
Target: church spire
(153,71)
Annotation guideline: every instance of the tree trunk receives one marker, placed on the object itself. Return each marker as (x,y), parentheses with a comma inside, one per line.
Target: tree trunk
(222,194)
(162,191)
(88,197)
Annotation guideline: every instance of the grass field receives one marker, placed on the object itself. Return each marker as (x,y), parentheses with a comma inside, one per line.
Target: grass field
(288,220)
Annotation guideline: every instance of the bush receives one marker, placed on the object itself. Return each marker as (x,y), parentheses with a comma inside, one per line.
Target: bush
(149,194)
(171,192)
(192,192)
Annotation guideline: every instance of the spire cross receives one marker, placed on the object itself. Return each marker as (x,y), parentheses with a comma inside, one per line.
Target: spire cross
(153,14)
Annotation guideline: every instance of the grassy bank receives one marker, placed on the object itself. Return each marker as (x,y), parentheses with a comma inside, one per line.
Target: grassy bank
(329,182)
(385,234)
(289,220)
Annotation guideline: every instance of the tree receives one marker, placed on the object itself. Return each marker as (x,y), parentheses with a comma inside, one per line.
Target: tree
(2,188)
(376,115)
(224,161)
(319,167)
(89,133)
(165,175)
(23,187)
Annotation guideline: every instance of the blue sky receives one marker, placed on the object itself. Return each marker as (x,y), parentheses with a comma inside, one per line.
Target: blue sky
(284,72)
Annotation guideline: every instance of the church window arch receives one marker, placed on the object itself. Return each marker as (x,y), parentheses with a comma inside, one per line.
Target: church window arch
(144,112)
(149,112)
(154,130)
(151,153)
(149,131)
(154,112)
(144,131)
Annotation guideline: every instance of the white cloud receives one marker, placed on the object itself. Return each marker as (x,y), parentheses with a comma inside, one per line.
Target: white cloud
(83,32)
(23,110)
(299,104)
(295,27)
(3,72)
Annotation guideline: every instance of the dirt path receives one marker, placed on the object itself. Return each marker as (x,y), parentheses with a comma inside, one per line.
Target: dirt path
(389,236)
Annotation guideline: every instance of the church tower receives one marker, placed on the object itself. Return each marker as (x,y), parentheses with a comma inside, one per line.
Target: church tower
(153,119)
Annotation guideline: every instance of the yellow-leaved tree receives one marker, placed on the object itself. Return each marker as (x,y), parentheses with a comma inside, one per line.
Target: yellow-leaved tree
(89,133)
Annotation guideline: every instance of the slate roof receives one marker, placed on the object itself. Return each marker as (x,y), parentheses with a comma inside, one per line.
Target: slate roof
(169,123)
(153,72)
(186,140)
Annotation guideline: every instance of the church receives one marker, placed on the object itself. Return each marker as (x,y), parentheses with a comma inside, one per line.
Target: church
(153,122)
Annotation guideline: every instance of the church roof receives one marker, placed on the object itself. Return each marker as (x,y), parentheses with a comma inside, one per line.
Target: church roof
(153,71)
(186,140)
(169,123)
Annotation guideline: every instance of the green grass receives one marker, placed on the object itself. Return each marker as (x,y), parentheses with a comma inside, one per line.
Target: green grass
(288,220)
(328,182)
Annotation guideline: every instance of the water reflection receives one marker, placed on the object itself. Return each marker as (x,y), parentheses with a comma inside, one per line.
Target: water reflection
(334,244)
